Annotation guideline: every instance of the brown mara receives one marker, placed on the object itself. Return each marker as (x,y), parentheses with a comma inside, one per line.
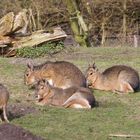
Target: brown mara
(4,97)
(118,79)
(72,97)
(59,74)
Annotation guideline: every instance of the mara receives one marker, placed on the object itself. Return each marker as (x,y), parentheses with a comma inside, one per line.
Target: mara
(118,79)
(61,74)
(4,97)
(72,97)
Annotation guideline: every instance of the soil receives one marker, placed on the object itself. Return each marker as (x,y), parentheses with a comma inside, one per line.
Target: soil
(18,110)
(13,132)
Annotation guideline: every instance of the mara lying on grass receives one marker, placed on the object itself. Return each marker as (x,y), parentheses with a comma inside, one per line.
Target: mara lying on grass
(4,96)
(74,97)
(59,74)
(118,78)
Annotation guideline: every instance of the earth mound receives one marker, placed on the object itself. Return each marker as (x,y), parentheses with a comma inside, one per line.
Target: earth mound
(13,132)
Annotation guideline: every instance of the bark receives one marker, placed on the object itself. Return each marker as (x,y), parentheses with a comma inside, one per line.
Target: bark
(32,23)
(12,24)
(135,41)
(6,24)
(5,40)
(20,23)
(103,32)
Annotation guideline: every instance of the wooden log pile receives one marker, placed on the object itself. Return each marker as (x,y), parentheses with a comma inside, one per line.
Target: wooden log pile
(14,33)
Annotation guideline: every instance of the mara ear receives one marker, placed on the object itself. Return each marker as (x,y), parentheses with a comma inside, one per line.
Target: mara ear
(94,67)
(30,65)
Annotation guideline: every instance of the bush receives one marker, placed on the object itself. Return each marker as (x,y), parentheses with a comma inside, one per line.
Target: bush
(38,51)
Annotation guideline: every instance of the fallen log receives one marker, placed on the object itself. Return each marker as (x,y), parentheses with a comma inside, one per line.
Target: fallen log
(20,22)
(35,39)
(39,37)
(5,40)
(14,33)
(12,24)
(6,24)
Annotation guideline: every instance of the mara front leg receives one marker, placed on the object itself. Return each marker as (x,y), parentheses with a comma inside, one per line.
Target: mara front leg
(3,114)
(43,102)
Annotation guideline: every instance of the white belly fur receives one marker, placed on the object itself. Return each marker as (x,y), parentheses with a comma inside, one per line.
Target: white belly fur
(50,82)
(79,106)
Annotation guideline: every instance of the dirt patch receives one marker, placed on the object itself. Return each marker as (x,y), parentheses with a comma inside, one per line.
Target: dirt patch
(18,110)
(12,132)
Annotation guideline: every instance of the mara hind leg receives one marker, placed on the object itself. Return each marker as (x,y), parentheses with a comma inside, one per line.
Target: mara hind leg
(117,92)
(5,114)
(125,87)
(74,102)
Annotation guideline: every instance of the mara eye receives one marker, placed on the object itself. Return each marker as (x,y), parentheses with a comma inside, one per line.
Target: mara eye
(91,73)
(27,74)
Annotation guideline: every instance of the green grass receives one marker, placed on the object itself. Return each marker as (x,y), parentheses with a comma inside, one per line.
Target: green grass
(115,114)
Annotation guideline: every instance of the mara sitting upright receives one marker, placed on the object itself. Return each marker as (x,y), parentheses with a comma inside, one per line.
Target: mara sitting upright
(59,74)
(4,96)
(74,97)
(118,78)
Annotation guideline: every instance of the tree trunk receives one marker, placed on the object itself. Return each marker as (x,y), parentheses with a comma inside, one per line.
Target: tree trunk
(32,23)
(77,23)
(124,21)
(104,20)
(103,33)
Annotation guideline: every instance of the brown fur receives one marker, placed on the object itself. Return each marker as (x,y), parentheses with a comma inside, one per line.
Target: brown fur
(59,74)
(118,78)
(4,96)
(70,97)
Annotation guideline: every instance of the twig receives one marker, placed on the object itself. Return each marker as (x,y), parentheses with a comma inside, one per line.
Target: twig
(124,135)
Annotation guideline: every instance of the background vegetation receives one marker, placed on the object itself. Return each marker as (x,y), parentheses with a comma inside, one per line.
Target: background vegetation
(109,22)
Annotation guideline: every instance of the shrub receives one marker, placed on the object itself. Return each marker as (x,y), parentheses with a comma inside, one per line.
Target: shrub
(38,51)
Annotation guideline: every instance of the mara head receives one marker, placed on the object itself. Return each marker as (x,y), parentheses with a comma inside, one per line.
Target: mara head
(42,89)
(29,76)
(91,74)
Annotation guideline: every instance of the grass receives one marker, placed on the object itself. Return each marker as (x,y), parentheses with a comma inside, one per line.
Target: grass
(115,115)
